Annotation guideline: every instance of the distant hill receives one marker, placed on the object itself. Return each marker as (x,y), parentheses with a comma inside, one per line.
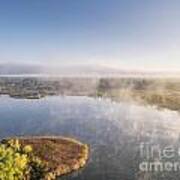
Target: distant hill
(17,69)
(76,70)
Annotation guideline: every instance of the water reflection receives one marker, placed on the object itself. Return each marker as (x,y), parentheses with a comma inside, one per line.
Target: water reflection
(113,130)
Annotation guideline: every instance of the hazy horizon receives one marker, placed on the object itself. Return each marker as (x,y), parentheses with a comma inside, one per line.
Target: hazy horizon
(79,70)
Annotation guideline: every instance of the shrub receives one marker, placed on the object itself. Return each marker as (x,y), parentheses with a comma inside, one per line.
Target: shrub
(18,162)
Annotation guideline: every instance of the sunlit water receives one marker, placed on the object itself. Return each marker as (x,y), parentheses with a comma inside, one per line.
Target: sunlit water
(114,131)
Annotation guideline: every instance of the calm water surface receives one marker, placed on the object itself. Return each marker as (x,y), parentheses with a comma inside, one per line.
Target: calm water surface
(114,131)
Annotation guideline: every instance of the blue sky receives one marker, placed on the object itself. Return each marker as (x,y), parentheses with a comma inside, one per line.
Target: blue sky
(117,33)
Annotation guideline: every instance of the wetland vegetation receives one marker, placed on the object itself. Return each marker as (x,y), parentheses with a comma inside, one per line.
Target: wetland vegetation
(162,92)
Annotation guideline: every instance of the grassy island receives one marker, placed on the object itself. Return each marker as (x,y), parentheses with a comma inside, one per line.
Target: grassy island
(43,158)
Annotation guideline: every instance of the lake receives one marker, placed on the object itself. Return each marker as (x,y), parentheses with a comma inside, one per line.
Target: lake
(113,130)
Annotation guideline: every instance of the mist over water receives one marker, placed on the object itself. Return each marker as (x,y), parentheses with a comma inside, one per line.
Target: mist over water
(113,130)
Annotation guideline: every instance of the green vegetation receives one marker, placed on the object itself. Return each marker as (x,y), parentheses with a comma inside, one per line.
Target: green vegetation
(40,158)
(18,162)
